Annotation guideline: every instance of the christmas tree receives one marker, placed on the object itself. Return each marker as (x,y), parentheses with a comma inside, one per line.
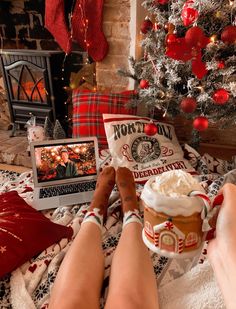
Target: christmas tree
(189,60)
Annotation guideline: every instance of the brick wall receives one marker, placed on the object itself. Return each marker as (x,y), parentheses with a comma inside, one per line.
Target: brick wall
(22,26)
(116,19)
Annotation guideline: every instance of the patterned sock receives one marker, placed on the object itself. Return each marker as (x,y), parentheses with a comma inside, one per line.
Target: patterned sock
(126,187)
(132,216)
(94,217)
(98,207)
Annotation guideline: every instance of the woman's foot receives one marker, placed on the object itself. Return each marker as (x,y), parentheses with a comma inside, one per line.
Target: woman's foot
(126,186)
(104,186)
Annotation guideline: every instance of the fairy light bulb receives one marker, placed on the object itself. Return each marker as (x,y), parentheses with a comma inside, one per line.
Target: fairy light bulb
(200,88)
(231,2)
(213,38)
(218,14)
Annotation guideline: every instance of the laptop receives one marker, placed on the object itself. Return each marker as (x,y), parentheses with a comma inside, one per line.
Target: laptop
(64,171)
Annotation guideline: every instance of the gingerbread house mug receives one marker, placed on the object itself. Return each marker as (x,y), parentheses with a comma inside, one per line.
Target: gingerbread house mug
(175,215)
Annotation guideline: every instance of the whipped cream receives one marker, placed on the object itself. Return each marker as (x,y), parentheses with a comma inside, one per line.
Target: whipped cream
(168,193)
(175,183)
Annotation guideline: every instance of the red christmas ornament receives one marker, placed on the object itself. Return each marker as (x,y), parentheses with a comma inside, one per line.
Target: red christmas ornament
(195,37)
(171,39)
(188,105)
(228,35)
(220,96)
(144,84)
(146,26)
(189,14)
(150,129)
(200,123)
(199,67)
(162,1)
(221,64)
(179,50)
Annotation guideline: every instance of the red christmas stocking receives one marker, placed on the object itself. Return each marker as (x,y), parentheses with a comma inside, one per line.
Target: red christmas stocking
(56,24)
(91,11)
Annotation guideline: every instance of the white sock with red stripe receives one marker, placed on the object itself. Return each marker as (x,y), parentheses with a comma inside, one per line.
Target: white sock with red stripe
(94,217)
(132,216)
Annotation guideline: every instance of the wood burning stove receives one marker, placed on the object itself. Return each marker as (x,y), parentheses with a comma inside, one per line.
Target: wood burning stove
(34,82)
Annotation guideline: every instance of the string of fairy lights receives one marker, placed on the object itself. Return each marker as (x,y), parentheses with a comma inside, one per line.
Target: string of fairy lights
(86,60)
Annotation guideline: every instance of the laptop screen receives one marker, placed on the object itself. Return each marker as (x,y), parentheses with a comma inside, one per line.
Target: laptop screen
(65,161)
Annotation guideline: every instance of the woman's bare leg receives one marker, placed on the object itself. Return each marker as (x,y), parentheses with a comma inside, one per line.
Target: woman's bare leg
(79,280)
(132,279)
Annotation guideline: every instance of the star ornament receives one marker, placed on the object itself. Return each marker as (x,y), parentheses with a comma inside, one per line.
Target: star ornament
(3,249)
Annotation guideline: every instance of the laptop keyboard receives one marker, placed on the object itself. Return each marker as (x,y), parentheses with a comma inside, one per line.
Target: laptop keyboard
(67,189)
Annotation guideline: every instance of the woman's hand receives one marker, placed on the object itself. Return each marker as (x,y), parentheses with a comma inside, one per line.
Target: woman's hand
(222,249)
(226,222)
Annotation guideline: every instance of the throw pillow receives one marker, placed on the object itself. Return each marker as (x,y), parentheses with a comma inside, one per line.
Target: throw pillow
(24,232)
(144,155)
(88,108)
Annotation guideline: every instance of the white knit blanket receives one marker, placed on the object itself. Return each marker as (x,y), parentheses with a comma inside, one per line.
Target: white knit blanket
(197,289)
(28,287)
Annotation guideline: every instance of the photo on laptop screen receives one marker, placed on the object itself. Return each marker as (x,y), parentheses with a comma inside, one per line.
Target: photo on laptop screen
(65,161)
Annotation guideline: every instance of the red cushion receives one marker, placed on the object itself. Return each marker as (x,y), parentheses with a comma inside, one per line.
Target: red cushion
(24,232)
(88,108)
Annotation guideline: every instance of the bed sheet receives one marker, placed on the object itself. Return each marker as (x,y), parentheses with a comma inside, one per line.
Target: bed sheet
(29,285)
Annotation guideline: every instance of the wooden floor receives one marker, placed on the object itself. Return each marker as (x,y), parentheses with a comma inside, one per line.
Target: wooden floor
(14,168)
(13,151)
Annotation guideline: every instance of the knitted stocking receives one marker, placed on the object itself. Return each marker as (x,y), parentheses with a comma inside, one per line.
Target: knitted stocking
(56,24)
(91,11)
